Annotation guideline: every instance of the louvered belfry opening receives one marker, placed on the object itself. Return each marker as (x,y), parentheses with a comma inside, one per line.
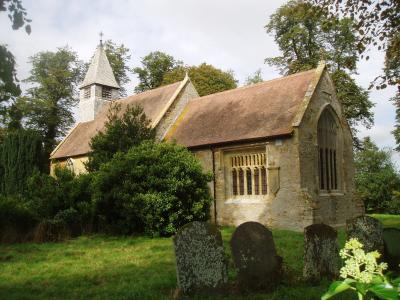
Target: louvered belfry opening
(328,151)
(249,174)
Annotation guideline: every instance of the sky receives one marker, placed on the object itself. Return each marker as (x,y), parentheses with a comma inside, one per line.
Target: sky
(227,34)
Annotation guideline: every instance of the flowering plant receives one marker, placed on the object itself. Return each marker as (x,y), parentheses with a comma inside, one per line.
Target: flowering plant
(362,273)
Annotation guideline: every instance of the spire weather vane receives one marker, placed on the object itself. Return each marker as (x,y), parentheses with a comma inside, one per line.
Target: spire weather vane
(101,37)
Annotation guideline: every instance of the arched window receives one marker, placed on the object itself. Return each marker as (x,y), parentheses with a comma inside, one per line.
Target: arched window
(241,182)
(264,181)
(249,182)
(327,151)
(234,182)
(70,164)
(256,181)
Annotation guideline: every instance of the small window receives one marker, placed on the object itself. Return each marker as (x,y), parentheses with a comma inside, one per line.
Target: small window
(70,164)
(256,181)
(264,187)
(86,92)
(249,182)
(241,182)
(106,92)
(234,182)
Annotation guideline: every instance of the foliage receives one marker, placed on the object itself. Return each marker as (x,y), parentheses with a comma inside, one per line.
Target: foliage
(21,155)
(9,87)
(363,274)
(377,23)
(376,177)
(119,56)
(16,13)
(305,36)
(121,133)
(14,214)
(154,66)
(49,102)
(206,78)
(255,78)
(63,199)
(154,188)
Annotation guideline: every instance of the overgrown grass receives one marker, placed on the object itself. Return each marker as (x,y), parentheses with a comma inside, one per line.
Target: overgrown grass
(104,267)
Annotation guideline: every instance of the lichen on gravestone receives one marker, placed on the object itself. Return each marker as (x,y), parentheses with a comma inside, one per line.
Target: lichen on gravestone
(200,259)
(321,253)
(368,231)
(255,257)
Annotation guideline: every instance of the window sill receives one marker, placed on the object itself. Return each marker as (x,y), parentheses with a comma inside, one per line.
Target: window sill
(247,200)
(330,194)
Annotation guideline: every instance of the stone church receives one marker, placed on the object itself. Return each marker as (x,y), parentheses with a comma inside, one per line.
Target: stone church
(280,150)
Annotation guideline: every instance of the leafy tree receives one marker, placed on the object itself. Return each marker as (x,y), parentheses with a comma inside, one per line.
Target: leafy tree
(16,13)
(118,56)
(154,188)
(376,177)
(305,35)
(206,78)
(377,23)
(49,102)
(121,133)
(255,78)
(154,66)
(21,155)
(9,87)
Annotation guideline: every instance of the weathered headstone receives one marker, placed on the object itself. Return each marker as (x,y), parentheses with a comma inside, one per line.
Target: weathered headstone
(391,241)
(200,260)
(321,253)
(366,230)
(253,249)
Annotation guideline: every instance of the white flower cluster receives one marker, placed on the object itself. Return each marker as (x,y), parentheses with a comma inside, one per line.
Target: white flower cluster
(359,265)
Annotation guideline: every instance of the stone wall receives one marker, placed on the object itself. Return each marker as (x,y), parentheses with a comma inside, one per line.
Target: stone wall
(333,207)
(281,207)
(187,93)
(78,164)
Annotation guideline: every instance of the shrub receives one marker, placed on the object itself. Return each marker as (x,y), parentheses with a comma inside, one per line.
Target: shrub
(154,188)
(63,201)
(16,220)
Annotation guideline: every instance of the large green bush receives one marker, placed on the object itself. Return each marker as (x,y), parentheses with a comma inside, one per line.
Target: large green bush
(154,188)
(62,200)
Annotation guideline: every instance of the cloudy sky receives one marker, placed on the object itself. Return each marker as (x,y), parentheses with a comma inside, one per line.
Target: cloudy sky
(227,34)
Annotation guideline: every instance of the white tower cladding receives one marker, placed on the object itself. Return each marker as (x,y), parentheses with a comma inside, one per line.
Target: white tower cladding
(98,86)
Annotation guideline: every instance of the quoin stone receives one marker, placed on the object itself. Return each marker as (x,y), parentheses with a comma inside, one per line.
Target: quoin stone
(255,257)
(391,241)
(321,253)
(367,230)
(200,261)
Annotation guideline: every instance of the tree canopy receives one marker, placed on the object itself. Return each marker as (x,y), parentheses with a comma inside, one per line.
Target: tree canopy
(206,78)
(154,66)
(305,36)
(255,78)
(119,56)
(49,102)
(16,13)
(122,132)
(376,177)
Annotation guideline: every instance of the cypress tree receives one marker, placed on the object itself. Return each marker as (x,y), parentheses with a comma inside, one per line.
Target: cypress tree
(21,153)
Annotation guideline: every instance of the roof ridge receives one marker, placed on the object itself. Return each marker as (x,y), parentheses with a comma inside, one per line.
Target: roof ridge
(148,91)
(260,83)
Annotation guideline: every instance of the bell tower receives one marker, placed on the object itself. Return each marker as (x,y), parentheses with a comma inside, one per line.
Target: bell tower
(98,87)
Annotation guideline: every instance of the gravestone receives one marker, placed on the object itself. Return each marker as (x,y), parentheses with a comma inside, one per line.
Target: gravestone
(254,254)
(368,231)
(391,241)
(200,259)
(321,253)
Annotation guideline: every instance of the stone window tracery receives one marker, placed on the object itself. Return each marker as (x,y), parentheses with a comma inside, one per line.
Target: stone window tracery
(327,151)
(106,92)
(249,174)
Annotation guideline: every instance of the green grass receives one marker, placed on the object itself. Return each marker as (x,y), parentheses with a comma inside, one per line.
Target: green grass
(388,220)
(104,267)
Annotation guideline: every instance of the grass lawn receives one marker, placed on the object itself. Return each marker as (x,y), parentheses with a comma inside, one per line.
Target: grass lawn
(104,267)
